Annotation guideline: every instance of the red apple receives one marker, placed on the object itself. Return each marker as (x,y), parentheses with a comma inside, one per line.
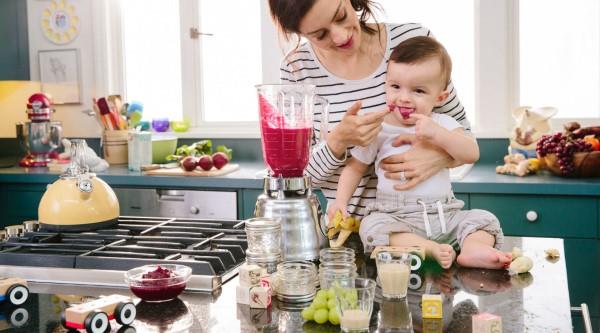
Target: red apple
(205,162)
(220,159)
(189,163)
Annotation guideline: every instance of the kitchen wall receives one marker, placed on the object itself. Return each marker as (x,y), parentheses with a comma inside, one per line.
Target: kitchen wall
(75,122)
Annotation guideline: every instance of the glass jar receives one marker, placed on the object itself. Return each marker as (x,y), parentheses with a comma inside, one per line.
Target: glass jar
(295,281)
(340,274)
(267,261)
(264,236)
(337,255)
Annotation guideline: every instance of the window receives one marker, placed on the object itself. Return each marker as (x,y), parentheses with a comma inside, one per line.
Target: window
(559,56)
(505,54)
(185,60)
(457,36)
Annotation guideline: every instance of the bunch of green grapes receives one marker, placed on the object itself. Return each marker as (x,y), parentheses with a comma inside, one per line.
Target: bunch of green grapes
(323,308)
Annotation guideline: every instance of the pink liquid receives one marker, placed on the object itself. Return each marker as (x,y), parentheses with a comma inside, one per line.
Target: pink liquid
(286,150)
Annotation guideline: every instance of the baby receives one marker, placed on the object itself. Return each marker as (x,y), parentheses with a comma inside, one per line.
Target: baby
(427,215)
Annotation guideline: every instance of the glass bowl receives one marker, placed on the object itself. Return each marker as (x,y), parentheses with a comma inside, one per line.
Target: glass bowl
(158,283)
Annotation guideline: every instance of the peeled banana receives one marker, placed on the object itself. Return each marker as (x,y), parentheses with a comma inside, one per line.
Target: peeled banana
(342,226)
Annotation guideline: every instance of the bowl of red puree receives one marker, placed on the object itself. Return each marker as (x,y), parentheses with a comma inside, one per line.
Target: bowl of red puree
(158,283)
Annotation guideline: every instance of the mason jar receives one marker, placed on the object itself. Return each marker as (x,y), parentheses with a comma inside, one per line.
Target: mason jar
(264,236)
(338,254)
(340,274)
(295,281)
(268,261)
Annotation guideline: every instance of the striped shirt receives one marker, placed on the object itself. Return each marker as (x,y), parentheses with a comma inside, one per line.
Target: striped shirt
(324,168)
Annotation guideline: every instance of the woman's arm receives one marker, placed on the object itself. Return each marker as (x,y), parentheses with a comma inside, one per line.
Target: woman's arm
(349,180)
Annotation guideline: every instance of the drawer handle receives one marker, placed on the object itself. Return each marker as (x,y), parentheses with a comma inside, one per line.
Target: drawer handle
(531,216)
(585,313)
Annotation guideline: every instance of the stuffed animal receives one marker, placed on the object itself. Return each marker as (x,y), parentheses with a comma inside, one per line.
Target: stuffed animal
(95,163)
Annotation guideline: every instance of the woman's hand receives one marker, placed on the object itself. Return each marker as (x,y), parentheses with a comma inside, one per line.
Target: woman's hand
(420,162)
(355,129)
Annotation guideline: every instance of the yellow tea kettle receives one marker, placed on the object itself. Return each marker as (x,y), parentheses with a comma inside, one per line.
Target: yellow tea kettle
(78,201)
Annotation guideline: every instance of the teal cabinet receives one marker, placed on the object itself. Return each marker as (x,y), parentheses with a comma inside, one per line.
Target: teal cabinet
(464,197)
(573,218)
(542,216)
(249,202)
(20,202)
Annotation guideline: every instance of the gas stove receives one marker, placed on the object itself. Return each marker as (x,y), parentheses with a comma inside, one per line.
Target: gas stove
(213,249)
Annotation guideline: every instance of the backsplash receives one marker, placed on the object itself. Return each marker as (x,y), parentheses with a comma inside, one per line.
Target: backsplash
(492,150)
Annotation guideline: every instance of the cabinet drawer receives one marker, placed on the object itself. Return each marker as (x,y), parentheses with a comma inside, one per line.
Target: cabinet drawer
(542,216)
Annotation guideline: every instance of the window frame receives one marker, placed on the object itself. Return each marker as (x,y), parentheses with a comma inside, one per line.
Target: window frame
(496,67)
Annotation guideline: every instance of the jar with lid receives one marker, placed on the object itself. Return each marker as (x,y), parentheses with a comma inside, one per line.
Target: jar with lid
(264,236)
(295,281)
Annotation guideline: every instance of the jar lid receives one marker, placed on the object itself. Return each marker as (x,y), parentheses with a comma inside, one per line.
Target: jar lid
(262,224)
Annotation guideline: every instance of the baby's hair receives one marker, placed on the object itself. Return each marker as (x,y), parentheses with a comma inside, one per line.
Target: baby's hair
(418,49)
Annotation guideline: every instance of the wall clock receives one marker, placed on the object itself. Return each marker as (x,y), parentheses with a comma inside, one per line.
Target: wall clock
(60,23)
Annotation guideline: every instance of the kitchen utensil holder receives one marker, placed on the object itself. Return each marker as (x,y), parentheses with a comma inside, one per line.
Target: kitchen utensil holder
(114,146)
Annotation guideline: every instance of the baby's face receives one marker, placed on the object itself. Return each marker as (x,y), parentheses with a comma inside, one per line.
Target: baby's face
(414,88)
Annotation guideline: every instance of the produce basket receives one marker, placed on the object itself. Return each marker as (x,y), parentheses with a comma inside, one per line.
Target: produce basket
(586,164)
(572,153)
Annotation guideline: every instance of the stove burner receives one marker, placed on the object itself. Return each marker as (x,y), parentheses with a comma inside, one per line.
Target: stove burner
(211,248)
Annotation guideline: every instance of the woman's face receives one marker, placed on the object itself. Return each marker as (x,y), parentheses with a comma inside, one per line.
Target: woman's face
(332,25)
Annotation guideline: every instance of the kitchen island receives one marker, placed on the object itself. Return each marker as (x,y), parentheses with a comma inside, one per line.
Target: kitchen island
(533,302)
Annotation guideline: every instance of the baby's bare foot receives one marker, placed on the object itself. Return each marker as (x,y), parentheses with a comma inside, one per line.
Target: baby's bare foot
(444,254)
(484,257)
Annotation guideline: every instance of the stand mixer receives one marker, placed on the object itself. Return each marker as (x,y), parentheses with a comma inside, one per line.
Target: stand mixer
(40,137)
(286,118)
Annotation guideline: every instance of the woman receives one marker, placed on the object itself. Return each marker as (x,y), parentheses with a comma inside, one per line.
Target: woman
(346,57)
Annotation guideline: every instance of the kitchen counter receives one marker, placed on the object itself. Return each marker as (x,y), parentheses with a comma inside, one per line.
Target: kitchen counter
(534,302)
(482,178)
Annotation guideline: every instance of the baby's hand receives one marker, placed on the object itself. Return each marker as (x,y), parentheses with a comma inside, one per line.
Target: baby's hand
(425,127)
(333,207)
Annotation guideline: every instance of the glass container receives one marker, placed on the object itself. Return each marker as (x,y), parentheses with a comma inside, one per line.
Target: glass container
(267,261)
(337,274)
(264,236)
(338,254)
(295,281)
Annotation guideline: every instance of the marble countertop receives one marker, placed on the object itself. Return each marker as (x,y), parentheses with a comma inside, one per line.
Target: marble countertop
(534,302)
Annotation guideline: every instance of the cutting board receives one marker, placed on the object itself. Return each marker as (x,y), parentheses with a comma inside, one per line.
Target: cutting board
(228,168)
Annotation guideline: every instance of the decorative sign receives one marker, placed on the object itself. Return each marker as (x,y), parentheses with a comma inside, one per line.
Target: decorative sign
(60,23)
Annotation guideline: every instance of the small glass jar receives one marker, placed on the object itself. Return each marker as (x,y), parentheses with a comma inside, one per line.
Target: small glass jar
(295,281)
(264,235)
(267,261)
(340,274)
(337,255)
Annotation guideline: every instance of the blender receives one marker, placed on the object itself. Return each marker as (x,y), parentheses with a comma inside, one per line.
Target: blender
(40,137)
(286,120)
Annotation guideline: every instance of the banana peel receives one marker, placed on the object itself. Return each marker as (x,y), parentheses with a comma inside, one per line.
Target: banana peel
(342,227)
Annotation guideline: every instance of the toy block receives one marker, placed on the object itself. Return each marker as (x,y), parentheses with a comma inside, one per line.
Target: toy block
(487,323)
(250,274)
(431,306)
(433,325)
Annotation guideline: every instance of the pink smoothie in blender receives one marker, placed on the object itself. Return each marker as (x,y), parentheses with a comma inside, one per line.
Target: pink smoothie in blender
(286,140)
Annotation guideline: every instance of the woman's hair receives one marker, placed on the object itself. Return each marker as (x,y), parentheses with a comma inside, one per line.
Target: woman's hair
(287,14)
(418,49)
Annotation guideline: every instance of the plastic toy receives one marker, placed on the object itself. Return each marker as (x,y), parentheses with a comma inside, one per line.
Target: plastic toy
(94,316)
(432,306)
(487,323)
(14,290)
